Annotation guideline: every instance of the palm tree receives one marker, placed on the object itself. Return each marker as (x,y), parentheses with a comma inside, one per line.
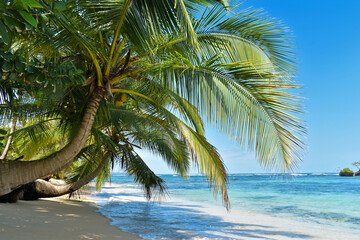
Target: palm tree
(114,136)
(235,68)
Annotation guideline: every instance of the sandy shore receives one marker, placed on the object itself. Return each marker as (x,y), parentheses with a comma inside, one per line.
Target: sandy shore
(249,225)
(60,219)
(68,219)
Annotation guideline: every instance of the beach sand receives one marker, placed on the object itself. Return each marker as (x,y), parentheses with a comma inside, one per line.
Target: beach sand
(250,226)
(55,219)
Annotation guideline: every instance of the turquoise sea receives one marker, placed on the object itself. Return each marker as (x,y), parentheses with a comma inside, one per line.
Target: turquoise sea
(316,198)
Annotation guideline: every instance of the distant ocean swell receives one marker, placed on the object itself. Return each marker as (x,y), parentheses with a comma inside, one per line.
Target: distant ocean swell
(322,198)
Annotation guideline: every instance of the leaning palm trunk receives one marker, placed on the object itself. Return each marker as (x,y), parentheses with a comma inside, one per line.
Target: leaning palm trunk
(13,174)
(9,141)
(44,189)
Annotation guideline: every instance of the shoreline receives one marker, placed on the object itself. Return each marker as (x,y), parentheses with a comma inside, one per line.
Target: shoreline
(253,225)
(239,224)
(61,218)
(56,219)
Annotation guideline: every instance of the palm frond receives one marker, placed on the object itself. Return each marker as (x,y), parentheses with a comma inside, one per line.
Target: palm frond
(143,175)
(250,106)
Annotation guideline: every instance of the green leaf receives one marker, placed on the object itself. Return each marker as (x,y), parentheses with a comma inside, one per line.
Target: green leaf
(44,17)
(33,4)
(3,132)
(20,67)
(31,69)
(79,71)
(13,75)
(40,77)
(60,6)
(6,67)
(22,59)
(4,34)
(6,56)
(11,23)
(18,4)
(28,18)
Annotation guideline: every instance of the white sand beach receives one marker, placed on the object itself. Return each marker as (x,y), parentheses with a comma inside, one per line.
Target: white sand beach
(249,225)
(53,220)
(69,219)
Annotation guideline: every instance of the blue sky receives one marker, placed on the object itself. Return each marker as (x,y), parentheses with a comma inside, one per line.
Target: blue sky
(327,36)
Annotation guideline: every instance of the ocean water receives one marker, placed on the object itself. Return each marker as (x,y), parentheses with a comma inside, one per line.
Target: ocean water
(187,212)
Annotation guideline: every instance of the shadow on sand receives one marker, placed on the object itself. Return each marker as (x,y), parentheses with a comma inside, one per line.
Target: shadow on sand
(175,221)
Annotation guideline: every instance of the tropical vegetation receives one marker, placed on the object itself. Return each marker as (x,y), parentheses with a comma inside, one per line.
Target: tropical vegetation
(356,164)
(91,81)
(347,170)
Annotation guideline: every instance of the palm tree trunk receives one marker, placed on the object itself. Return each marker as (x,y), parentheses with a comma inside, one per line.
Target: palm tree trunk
(44,189)
(13,174)
(9,140)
